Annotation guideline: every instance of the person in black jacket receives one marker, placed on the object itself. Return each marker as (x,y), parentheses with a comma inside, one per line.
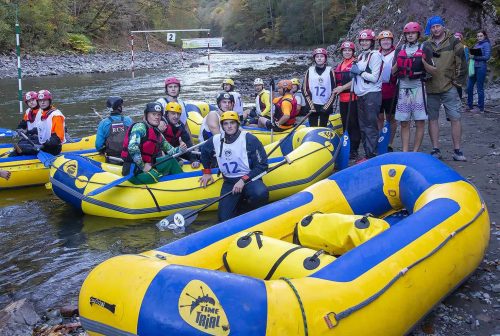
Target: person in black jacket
(241,157)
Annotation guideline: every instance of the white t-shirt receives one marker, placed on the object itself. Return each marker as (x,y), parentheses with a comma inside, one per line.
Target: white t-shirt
(238,103)
(205,127)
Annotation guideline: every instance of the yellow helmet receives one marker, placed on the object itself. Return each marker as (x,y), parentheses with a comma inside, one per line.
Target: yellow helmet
(228,81)
(229,115)
(295,81)
(173,107)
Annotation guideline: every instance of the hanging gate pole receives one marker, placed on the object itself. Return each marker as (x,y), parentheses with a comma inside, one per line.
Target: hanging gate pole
(132,50)
(18,51)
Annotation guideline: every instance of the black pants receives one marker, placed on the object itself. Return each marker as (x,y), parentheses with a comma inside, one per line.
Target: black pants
(319,115)
(253,196)
(352,125)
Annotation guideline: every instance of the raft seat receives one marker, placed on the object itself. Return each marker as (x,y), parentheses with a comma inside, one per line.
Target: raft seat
(266,258)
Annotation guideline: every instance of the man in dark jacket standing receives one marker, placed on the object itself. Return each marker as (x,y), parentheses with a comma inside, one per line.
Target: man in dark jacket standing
(449,58)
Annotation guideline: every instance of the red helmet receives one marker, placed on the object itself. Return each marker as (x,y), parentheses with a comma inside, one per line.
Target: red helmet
(366,34)
(172,80)
(285,84)
(347,45)
(44,95)
(412,27)
(320,51)
(30,95)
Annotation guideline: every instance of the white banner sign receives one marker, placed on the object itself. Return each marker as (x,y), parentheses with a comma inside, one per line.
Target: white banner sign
(171,37)
(215,42)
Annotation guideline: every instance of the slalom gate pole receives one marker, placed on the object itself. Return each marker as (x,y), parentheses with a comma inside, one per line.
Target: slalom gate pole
(132,50)
(208,52)
(18,52)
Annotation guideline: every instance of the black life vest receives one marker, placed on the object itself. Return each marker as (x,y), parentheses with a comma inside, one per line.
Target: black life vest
(114,141)
(150,144)
(411,67)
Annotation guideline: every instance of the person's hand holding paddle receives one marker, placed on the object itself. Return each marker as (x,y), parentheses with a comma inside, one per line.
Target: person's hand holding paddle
(147,167)
(182,145)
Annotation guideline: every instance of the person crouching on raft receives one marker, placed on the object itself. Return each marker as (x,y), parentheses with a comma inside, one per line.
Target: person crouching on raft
(285,109)
(143,146)
(211,125)
(175,131)
(241,157)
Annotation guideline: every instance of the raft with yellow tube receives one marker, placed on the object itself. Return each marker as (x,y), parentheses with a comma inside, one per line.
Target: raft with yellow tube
(195,119)
(27,170)
(310,159)
(368,251)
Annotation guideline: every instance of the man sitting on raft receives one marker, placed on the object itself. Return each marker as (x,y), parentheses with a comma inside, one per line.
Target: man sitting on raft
(285,112)
(143,146)
(240,156)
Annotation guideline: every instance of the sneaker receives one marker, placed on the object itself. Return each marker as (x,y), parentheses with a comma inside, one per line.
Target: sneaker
(436,153)
(459,156)
(390,149)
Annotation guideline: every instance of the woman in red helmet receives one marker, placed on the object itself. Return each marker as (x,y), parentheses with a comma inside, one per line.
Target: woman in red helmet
(411,62)
(386,42)
(343,81)
(367,76)
(319,82)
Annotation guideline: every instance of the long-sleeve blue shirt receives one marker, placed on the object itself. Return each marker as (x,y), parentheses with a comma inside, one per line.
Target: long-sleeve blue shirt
(104,128)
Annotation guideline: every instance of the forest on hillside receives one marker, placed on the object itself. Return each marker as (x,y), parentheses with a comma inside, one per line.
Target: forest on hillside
(82,25)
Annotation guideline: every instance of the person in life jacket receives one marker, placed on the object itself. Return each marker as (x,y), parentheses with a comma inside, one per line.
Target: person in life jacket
(46,130)
(343,82)
(241,157)
(228,86)
(299,97)
(175,132)
(143,145)
(411,62)
(367,76)
(319,82)
(111,130)
(211,123)
(387,109)
(27,123)
(172,92)
(285,109)
(262,104)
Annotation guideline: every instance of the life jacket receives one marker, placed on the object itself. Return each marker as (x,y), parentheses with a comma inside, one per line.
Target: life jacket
(149,146)
(43,124)
(114,142)
(410,66)
(343,77)
(260,102)
(171,136)
(278,113)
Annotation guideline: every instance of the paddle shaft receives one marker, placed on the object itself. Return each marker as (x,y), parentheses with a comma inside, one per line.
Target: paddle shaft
(180,153)
(271,93)
(289,134)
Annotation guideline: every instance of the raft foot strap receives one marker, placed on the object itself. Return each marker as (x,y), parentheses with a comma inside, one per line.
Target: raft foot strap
(301,305)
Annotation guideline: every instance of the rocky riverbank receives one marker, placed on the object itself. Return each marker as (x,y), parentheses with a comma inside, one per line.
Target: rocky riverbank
(40,65)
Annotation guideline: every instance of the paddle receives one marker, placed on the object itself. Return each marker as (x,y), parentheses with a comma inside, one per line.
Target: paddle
(385,132)
(289,134)
(271,93)
(44,157)
(343,158)
(185,217)
(5,132)
(131,173)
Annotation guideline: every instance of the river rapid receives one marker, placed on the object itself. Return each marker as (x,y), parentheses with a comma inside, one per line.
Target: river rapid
(47,247)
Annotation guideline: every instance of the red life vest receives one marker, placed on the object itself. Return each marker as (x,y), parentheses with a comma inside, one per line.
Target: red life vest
(279,113)
(150,144)
(343,77)
(31,115)
(170,136)
(411,67)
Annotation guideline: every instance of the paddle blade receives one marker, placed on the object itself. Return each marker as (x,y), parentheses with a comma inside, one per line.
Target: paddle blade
(384,137)
(114,183)
(345,149)
(45,158)
(178,222)
(5,132)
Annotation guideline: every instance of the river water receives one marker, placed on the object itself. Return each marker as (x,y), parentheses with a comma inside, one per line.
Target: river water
(47,247)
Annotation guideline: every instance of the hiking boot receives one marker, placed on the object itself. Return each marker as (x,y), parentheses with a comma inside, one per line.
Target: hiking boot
(436,153)
(459,156)
(353,156)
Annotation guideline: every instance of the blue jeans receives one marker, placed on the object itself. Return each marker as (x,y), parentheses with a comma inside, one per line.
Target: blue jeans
(478,79)
(253,196)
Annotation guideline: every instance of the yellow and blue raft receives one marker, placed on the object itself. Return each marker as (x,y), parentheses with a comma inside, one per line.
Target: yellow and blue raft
(310,152)
(368,251)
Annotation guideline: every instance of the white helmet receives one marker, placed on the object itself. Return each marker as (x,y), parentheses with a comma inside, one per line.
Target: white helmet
(258,81)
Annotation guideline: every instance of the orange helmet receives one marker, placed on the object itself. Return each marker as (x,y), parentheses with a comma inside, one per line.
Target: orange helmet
(385,34)
(285,84)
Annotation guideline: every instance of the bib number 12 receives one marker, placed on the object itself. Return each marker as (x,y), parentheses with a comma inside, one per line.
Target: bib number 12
(231,167)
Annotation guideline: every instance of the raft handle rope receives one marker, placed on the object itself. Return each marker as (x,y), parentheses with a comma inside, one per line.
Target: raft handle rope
(328,143)
(301,305)
(349,311)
